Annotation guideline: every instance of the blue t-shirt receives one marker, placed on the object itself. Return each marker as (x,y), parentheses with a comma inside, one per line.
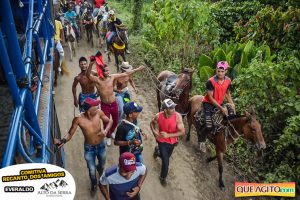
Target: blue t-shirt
(70,16)
(118,185)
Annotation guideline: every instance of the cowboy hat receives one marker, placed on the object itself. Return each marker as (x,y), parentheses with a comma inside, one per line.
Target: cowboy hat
(125,66)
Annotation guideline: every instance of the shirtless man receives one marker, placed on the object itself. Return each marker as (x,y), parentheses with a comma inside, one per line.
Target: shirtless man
(87,86)
(121,89)
(105,88)
(91,125)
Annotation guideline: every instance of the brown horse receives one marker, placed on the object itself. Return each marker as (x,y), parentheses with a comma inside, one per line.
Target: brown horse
(118,46)
(246,126)
(175,87)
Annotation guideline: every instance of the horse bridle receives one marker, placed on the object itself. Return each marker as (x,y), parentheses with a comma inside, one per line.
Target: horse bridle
(181,90)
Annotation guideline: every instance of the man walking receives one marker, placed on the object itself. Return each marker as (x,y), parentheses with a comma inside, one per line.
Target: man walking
(166,127)
(105,89)
(129,135)
(123,182)
(91,125)
(87,86)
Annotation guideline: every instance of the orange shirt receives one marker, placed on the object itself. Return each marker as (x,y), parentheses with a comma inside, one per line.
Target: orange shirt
(168,125)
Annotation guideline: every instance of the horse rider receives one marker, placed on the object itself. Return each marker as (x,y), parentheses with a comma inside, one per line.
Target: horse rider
(217,87)
(113,24)
(98,5)
(70,16)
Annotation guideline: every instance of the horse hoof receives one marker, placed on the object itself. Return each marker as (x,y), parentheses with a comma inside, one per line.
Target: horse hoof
(223,188)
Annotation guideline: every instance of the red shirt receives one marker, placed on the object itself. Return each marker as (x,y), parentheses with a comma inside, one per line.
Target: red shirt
(168,125)
(99,3)
(219,89)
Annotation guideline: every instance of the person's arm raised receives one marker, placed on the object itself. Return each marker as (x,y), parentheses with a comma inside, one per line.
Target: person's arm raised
(89,72)
(116,76)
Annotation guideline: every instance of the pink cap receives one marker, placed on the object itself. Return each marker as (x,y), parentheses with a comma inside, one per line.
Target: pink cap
(91,102)
(222,64)
(127,162)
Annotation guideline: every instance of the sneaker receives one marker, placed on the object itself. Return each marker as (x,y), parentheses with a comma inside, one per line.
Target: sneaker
(127,51)
(93,190)
(163,181)
(113,135)
(108,142)
(202,147)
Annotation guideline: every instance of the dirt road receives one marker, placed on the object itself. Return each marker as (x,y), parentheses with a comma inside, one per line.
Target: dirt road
(190,177)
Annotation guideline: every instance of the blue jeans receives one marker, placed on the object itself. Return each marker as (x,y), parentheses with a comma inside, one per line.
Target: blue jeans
(166,151)
(119,98)
(139,157)
(90,153)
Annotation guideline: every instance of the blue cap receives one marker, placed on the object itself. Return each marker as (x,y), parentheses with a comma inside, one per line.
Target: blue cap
(131,107)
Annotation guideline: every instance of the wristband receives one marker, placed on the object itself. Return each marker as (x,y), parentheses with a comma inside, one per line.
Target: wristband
(63,141)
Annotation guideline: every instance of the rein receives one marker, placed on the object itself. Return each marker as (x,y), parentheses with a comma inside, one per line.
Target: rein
(155,85)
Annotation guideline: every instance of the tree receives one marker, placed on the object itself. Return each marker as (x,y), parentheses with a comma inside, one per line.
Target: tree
(137,15)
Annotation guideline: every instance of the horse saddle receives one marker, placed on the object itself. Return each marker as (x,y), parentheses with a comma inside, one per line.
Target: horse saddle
(170,83)
(217,117)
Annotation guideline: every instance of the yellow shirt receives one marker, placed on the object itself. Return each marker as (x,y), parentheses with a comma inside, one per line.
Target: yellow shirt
(58,29)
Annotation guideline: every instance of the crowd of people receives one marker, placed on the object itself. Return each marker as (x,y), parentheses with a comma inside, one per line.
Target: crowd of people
(108,113)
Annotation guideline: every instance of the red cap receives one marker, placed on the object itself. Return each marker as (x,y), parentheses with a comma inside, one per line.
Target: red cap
(91,102)
(127,162)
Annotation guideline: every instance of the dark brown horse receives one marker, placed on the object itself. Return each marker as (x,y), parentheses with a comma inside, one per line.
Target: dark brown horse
(245,126)
(175,87)
(118,46)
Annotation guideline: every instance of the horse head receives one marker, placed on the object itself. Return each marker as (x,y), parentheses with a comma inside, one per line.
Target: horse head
(183,82)
(252,130)
(122,35)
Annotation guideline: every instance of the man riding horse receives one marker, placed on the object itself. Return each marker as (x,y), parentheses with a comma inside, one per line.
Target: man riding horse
(217,87)
(114,24)
(70,16)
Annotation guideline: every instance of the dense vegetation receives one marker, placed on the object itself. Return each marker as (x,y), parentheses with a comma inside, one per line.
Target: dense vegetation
(260,40)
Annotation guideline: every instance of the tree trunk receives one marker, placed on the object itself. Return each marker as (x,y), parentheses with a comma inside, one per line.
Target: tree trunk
(137,15)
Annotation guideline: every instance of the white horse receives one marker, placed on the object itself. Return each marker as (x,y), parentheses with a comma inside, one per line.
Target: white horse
(71,37)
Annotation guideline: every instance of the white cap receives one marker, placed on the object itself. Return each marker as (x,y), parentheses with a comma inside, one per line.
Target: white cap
(111,12)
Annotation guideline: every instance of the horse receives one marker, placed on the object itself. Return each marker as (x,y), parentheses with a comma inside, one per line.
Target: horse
(71,38)
(176,87)
(89,25)
(245,126)
(117,46)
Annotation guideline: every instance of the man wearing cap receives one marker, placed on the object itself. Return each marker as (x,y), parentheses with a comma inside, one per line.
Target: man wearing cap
(91,124)
(217,87)
(105,88)
(87,86)
(128,134)
(113,24)
(121,89)
(123,182)
(70,16)
(166,127)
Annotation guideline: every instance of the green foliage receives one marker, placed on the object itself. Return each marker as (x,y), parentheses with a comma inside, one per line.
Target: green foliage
(181,30)
(237,55)
(227,12)
(277,28)
(137,18)
(274,91)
